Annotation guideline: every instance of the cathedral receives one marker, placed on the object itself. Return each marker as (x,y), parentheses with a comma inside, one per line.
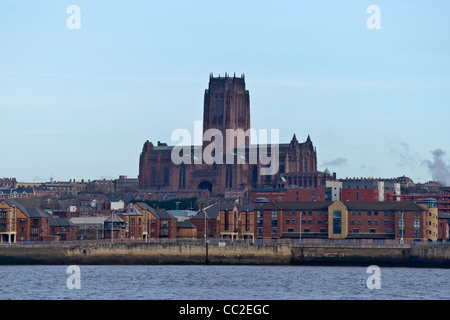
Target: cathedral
(227,106)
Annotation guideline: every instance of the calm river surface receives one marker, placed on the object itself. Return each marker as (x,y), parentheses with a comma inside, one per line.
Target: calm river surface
(221,283)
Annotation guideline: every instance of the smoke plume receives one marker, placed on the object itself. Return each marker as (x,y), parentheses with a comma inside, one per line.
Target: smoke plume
(439,168)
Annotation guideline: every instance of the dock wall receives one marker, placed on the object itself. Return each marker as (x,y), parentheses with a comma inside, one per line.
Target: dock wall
(411,255)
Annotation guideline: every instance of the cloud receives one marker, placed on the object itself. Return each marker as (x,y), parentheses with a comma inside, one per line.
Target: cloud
(439,168)
(336,162)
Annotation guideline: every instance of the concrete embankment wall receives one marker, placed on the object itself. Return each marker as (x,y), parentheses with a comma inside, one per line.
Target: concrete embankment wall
(430,255)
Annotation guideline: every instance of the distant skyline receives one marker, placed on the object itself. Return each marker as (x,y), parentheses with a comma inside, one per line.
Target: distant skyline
(79,104)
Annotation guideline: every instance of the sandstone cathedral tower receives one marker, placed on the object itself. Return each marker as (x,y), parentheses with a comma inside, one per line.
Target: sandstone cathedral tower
(226,106)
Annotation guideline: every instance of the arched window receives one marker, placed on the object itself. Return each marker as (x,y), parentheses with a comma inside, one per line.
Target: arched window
(229,177)
(166,176)
(182,177)
(153,177)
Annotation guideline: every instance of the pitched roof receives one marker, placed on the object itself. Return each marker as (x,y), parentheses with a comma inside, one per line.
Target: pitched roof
(185,224)
(212,212)
(163,214)
(383,206)
(13,203)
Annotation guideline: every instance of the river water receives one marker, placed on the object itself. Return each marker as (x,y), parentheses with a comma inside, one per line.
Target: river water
(206,282)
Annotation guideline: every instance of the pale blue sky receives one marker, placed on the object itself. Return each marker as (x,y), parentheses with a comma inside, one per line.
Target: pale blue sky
(79,104)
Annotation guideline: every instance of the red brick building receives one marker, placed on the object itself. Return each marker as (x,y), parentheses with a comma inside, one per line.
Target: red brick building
(381,221)
(19,224)
(226,106)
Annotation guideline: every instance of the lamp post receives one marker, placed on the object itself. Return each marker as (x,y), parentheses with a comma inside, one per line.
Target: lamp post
(112,224)
(402,215)
(10,223)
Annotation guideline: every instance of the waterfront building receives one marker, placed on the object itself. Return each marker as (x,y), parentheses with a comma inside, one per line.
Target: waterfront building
(19,224)
(381,221)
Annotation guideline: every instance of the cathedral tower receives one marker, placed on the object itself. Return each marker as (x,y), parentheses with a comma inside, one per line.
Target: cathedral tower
(227,105)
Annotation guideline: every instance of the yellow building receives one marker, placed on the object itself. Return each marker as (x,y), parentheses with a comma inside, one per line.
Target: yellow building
(337,221)
(431,205)
(237,222)
(8,225)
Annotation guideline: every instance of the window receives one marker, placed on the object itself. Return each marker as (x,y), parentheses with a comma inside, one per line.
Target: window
(274,223)
(227,220)
(293,212)
(274,214)
(355,230)
(259,222)
(416,223)
(319,221)
(166,177)
(416,233)
(153,177)
(247,221)
(259,232)
(372,231)
(337,222)
(386,222)
(287,212)
(274,232)
(287,221)
(164,223)
(352,222)
(259,214)
(293,221)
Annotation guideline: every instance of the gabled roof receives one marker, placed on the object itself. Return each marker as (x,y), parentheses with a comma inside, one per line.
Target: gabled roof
(116,218)
(144,206)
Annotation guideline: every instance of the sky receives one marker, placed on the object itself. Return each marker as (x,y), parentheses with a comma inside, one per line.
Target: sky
(80,103)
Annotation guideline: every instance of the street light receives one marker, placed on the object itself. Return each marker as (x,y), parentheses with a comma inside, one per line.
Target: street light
(402,224)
